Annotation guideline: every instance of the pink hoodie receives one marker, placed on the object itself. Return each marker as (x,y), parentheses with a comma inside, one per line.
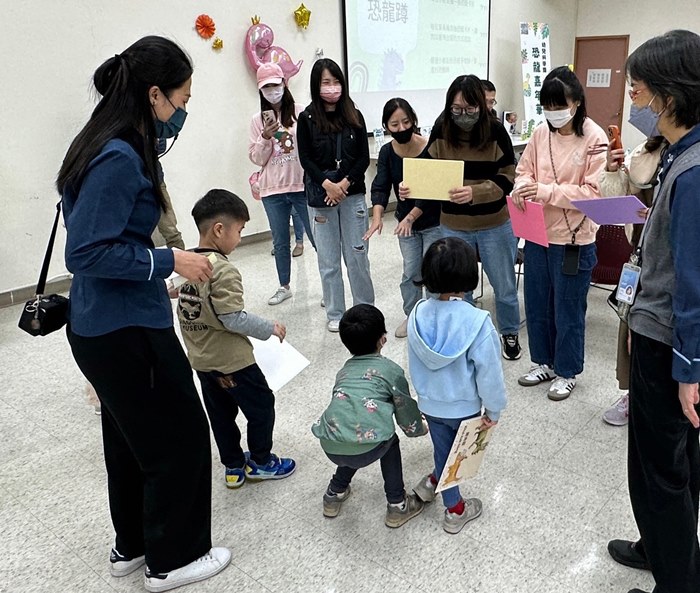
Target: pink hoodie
(577,172)
(281,169)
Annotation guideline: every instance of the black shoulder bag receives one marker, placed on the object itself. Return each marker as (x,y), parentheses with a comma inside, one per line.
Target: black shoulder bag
(315,192)
(45,313)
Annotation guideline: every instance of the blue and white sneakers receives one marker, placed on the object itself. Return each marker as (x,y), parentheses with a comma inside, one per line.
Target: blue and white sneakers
(234,477)
(275,469)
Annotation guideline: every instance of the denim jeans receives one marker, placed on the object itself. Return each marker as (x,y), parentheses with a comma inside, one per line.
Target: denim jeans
(298,224)
(498,248)
(338,231)
(555,307)
(413,249)
(278,209)
(443,432)
(389,455)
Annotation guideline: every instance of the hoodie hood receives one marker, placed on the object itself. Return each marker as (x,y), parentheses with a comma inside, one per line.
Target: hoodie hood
(439,331)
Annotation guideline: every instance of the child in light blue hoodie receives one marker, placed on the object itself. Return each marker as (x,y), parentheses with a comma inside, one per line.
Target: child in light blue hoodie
(454,358)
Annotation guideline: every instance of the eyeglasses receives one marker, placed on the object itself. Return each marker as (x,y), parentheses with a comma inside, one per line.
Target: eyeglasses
(633,93)
(491,103)
(455,110)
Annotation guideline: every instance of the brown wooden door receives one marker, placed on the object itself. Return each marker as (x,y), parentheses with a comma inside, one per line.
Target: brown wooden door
(599,63)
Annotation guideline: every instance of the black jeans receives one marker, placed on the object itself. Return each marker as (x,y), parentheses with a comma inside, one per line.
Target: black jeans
(224,395)
(389,455)
(156,444)
(663,465)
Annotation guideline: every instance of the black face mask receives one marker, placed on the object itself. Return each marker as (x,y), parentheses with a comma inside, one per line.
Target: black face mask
(404,136)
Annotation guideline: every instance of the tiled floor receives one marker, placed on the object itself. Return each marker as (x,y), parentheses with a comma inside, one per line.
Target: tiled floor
(553,481)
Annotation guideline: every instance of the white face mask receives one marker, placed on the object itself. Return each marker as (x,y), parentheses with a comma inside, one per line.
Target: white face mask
(273,94)
(558,118)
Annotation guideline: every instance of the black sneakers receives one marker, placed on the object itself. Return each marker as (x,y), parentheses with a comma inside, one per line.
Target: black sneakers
(628,553)
(511,347)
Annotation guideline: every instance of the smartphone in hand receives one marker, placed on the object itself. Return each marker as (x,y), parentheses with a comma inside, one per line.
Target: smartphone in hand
(615,140)
(268,116)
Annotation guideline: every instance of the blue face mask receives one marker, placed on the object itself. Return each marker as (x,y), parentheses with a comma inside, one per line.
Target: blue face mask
(172,127)
(645,120)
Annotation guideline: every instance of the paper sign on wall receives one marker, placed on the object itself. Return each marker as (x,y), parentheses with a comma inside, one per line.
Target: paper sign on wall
(598,77)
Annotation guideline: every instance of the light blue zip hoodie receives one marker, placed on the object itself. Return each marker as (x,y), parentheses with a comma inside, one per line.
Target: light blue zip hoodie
(454,358)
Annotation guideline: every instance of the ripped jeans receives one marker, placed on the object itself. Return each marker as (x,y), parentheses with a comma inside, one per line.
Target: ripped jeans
(339,230)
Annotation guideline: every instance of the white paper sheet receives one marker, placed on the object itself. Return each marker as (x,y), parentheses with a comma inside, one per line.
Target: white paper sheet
(279,362)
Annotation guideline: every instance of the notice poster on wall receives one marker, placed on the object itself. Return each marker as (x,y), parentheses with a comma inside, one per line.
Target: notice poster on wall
(412,49)
(536,62)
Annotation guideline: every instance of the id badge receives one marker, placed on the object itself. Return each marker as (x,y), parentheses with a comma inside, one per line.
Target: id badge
(627,287)
(571,256)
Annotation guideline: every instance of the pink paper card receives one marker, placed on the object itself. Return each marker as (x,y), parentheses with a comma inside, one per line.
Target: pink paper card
(528,224)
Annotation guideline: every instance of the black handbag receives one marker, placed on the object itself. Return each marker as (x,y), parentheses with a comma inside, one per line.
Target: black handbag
(45,313)
(315,192)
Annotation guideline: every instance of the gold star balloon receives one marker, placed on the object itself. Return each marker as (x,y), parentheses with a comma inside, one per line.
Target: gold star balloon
(302,16)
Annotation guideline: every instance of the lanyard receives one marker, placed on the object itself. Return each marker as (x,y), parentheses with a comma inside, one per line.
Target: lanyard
(556,180)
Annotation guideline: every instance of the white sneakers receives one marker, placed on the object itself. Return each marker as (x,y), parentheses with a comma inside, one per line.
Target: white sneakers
(334,325)
(121,566)
(212,563)
(560,388)
(402,330)
(281,295)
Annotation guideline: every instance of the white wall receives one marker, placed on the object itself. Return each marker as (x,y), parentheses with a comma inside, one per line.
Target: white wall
(51,49)
(641,21)
(505,68)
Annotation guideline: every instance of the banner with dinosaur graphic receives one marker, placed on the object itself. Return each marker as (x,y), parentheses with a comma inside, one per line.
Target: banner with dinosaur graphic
(466,454)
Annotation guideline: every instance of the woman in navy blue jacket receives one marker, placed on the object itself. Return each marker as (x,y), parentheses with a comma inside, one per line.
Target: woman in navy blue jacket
(120,330)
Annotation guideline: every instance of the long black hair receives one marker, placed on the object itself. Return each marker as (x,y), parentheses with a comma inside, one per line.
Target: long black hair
(125,110)
(670,67)
(473,93)
(558,86)
(287,115)
(347,114)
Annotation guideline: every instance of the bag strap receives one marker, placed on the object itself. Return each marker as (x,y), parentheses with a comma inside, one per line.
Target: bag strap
(338,149)
(41,285)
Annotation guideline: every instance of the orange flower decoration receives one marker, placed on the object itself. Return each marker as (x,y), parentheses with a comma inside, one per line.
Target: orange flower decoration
(205,26)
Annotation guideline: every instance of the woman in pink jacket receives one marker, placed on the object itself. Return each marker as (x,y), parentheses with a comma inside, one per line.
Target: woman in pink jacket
(273,146)
(562,162)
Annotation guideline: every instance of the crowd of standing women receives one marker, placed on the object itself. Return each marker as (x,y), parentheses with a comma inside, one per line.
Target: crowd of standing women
(154,429)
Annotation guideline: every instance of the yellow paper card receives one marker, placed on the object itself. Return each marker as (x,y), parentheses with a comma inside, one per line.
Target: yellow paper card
(432,179)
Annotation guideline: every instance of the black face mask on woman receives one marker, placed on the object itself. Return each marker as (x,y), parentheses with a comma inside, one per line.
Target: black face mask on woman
(404,136)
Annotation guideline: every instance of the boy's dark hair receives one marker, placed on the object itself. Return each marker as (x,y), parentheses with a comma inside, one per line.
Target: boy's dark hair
(361,327)
(558,86)
(449,265)
(218,203)
(669,66)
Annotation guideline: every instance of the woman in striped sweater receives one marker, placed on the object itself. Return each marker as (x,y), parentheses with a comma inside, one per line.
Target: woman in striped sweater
(477,211)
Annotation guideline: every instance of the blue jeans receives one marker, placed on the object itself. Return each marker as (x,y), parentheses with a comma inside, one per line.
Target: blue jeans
(298,224)
(498,248)
(278,209)
(443,432)
(555,307)
(338,231)
(413,249)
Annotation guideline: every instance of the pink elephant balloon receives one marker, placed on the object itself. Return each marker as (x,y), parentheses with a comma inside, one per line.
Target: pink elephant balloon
(259,50)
